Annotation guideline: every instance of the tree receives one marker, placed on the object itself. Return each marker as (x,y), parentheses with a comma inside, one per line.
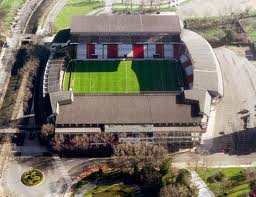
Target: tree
(150,177)
(248,173)
(165,167)
(47,131)
(142,5)
(230,35)
(253,185)
(175,190)
(183,177)
(217,177)
(200,159)
(141,154)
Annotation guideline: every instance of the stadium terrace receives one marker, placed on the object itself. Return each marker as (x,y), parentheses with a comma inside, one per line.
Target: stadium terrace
(135,77)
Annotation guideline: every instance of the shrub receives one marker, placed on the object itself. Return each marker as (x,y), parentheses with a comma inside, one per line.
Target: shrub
(150,177)
(216,177)
(248,174)
(253,185)
(165,166)
(47,131)
(183,177)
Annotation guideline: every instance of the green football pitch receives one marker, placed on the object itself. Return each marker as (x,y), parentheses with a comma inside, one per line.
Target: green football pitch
(123,76)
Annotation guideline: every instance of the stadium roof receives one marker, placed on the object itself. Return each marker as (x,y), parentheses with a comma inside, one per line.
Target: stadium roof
(128,109)
(126,23)
(206,70)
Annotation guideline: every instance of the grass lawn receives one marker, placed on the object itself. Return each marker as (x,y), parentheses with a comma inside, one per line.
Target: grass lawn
(111,190)
(212,34)
(74,7)
(233,183)
(10,7)
(169,9)
(123,76)
(250,27)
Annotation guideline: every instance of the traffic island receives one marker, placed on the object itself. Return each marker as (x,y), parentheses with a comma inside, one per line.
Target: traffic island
(32,177)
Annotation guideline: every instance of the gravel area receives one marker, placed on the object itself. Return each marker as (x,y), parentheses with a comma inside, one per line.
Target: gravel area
(214,7)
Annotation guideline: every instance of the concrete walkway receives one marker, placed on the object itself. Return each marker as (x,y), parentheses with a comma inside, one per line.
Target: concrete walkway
(199,183)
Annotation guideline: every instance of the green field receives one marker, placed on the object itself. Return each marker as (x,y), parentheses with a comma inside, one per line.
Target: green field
(233,184)
(111,190)
(249,26)
(123,76)
(74,7)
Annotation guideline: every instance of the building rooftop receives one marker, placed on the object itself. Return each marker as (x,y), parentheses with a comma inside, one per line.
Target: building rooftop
(126,23)
(125,109)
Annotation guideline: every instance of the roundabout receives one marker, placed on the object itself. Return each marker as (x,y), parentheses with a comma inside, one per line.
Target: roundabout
(32,177)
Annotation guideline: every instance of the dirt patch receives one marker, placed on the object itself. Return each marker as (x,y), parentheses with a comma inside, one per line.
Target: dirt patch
(219,31)
(214,7)
(249,26)
(35,19)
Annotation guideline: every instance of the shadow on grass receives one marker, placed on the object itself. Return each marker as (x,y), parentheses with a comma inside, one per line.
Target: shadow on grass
(157,75)
(94,66)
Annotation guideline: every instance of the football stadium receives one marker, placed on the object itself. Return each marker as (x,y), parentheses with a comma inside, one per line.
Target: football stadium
(131,78)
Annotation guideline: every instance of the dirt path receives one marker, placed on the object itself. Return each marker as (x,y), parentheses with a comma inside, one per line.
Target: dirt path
(46,25)
(18,107)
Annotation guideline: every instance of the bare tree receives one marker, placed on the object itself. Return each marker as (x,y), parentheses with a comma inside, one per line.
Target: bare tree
(139,154)
(200,159)
(129,2)
(47,131)
(142,5)
(177,190)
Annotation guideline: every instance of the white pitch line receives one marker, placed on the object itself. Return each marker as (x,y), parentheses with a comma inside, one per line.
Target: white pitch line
(125,78)
(90,82)
(73,81)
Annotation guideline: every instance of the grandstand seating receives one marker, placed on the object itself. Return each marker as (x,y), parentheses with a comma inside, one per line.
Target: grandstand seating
(98,50)
(81,51)
(138,51)
(112,50)
(90,50)
(160,50)
(181,53)
(168,51)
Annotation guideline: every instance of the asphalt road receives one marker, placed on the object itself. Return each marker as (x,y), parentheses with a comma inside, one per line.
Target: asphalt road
(239,96)
(214,160)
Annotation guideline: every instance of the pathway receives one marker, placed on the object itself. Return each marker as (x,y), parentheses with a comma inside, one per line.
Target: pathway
(47,25)
(7,55)
(5,157)
(199,183)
